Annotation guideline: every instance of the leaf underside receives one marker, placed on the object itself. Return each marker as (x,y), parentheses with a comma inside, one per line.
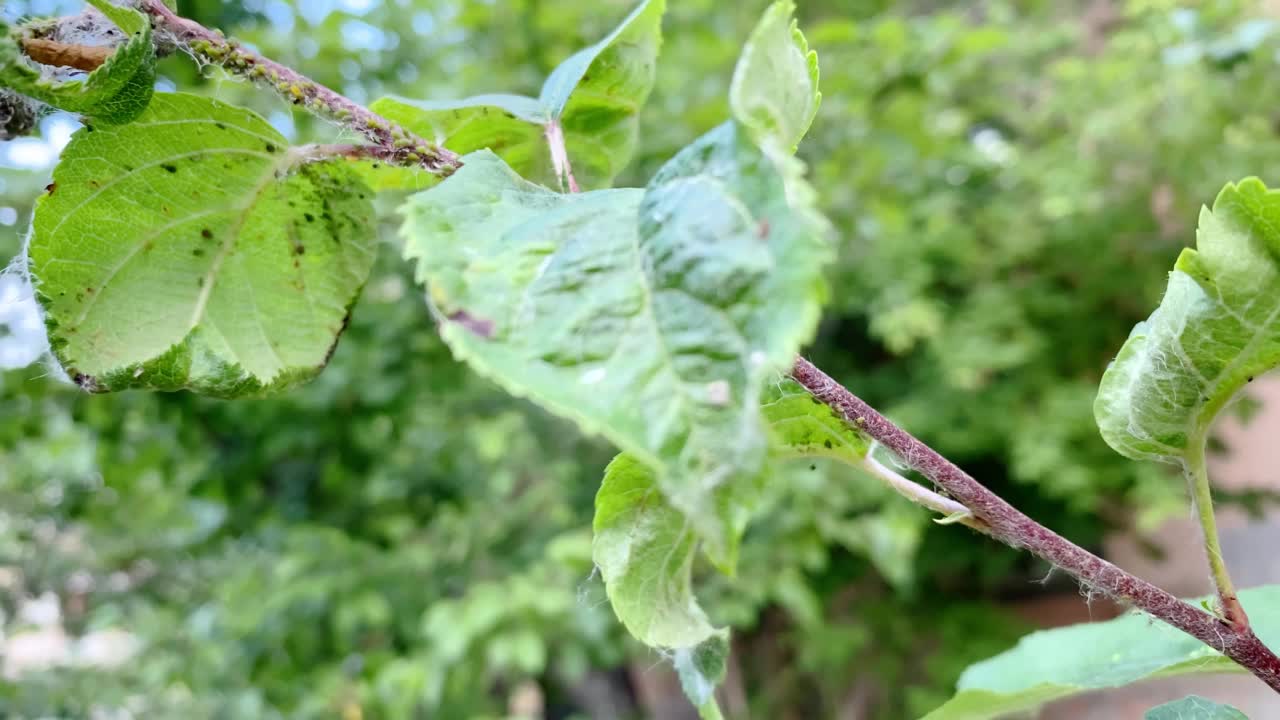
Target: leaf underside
(1058,663)
(1216,329)
(1194,707)
(235,277)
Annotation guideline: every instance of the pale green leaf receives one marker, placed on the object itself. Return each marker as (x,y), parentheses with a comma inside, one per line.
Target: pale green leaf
(114,93)
(1054,664)
(1194,707)
(593,98)
(661,334)
(775,85)
(235,276)
(1216,329)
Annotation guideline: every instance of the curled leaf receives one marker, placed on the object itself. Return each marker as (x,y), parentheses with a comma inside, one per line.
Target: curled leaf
(116,92)
(1217,328)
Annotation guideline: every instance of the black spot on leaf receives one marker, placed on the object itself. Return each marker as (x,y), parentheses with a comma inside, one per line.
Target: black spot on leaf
(170,168)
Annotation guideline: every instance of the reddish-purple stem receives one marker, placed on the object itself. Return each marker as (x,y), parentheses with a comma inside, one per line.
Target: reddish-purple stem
(1007,524)
(392,142)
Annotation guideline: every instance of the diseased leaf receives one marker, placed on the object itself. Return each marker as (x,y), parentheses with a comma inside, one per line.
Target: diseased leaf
(660,334)
(592,99)
(115,93)
(1194,707)
(805,427)
(775,85)
(1216,329)
(235,277)
(1054,664)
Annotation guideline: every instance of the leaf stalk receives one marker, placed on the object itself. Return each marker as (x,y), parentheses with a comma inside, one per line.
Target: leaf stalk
(1197,476)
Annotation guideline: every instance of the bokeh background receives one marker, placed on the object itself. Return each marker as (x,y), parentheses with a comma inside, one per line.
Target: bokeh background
(399,539)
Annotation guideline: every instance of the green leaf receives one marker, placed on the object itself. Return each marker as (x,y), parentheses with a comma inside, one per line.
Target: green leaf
(235,276)
(1194,707)
(1216,329)
(511,125)
(592,99)
(775,85)
(1058,663)
(613,71)
(661,334)
(804,427)
(115,93)
(645,549)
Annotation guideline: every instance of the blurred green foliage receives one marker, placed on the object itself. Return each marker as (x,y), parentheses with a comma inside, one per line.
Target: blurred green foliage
(399,539)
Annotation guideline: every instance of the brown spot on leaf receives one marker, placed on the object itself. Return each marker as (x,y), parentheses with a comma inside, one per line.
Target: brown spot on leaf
(51,187)
(206,233)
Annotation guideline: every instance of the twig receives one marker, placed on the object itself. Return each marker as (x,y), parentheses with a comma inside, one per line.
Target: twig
(396,144)
(1014,528)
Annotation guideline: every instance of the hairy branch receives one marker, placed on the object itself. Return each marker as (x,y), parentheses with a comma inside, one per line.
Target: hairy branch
(395,144)
(1014,528)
